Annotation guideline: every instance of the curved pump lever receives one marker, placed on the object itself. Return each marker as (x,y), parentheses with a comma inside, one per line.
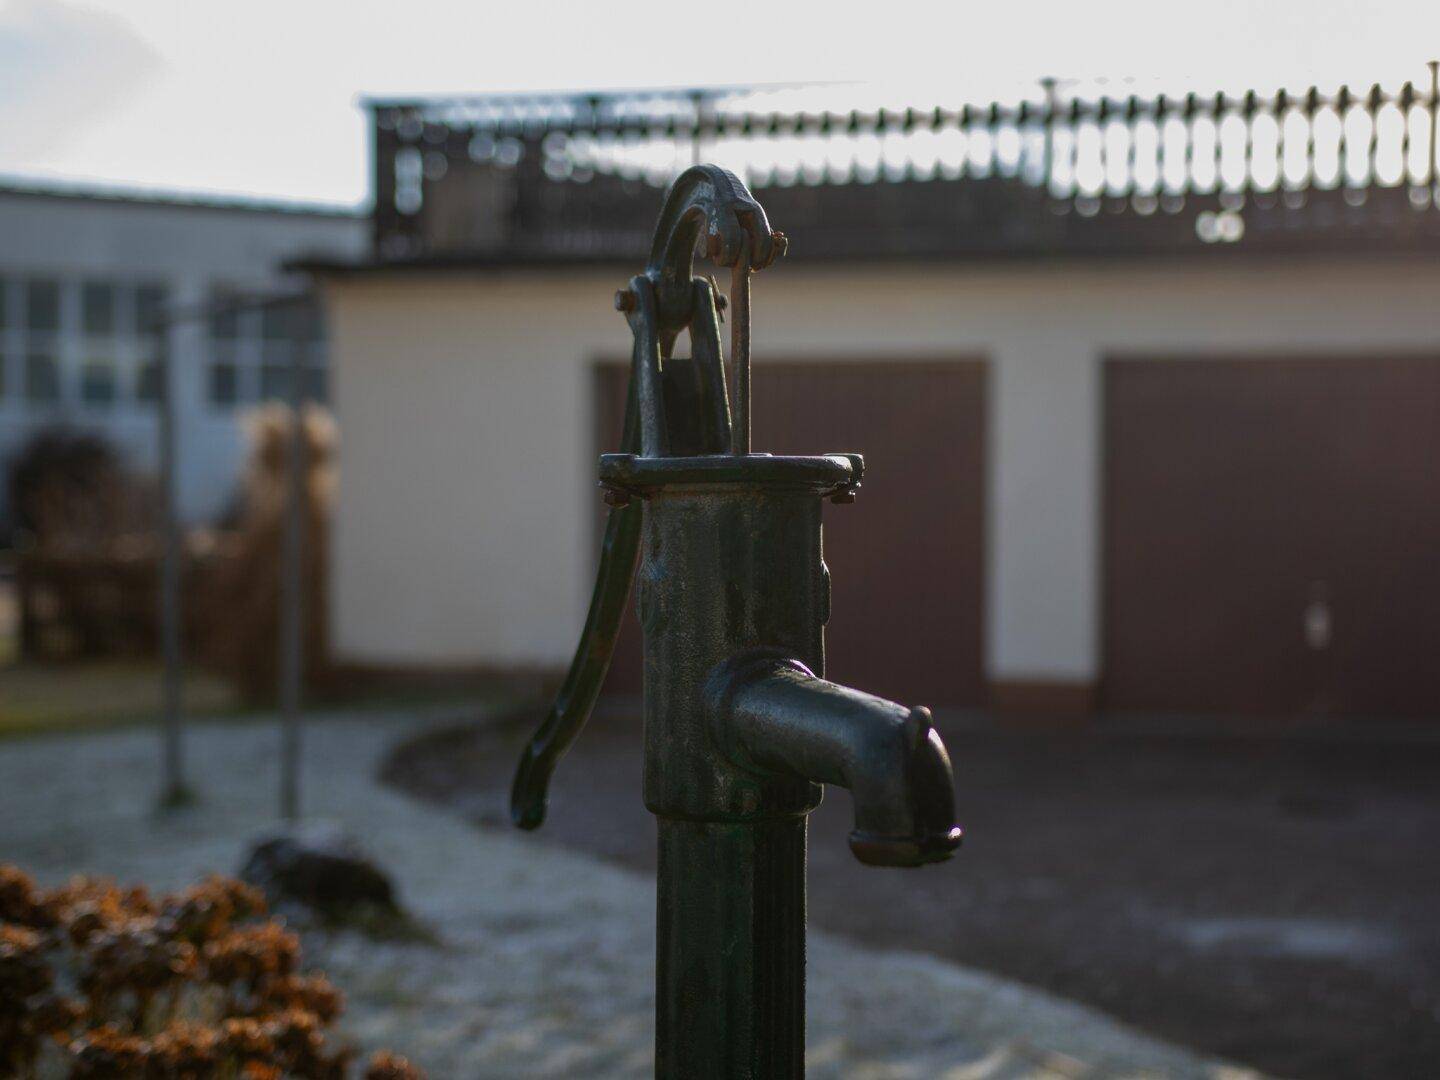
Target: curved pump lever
(672,407)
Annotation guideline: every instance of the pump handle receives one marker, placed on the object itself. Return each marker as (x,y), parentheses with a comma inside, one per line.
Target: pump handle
(687,413)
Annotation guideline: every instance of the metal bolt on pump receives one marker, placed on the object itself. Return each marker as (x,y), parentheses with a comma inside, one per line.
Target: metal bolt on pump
(741,728)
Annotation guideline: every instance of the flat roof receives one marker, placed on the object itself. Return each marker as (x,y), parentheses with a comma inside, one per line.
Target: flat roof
(46,188)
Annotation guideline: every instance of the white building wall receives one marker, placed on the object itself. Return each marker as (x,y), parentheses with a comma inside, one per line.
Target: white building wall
(465,522)
(188,248)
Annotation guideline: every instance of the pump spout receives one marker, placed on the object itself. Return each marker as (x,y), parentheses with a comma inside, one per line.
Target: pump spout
(774,716)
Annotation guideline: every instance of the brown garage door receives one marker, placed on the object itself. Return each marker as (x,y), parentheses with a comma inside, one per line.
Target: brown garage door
(1272,535)
(906,561)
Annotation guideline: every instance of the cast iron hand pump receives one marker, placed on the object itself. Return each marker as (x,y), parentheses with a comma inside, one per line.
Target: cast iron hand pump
(740,728)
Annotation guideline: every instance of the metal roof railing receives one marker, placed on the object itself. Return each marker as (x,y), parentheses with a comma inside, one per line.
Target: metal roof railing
(1132,153)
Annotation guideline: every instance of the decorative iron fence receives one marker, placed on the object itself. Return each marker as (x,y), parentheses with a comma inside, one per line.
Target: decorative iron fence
(478,169)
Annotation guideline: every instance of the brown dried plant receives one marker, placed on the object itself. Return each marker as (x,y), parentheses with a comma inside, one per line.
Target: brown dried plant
(237,601)
(99,981)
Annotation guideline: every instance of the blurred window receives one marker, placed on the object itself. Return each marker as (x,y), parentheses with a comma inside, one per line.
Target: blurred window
(225,317)
(274,379)
(42,306)
(42,377)
(97,382)
(147,381)
(309,323)
(253,349)
(224,383)
(317,384)
(150,304)
(279,322)
(97,307)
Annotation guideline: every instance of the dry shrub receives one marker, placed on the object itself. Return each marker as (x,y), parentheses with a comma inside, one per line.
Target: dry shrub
(98,981)
(69,490)
(86,532)
(238,610)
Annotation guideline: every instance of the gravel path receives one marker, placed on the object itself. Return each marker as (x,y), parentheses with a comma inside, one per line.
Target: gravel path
(545,965)
(1253,895)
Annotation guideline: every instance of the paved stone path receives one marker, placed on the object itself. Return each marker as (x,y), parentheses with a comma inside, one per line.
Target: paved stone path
(545,965)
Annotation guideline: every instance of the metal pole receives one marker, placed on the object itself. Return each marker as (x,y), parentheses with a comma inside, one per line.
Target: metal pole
(1052,100)
(292,601)
(1434,66)
(700,100)
(730,949)
(174,791)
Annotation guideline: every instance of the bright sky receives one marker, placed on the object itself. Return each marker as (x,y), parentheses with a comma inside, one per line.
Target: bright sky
(261,97)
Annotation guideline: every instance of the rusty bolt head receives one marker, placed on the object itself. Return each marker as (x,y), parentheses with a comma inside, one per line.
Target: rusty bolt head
(843,497)
(617,499)
(721,301)
(625,300)
(781,242)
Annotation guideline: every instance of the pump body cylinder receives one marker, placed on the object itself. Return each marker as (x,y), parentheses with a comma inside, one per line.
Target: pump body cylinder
(726,570)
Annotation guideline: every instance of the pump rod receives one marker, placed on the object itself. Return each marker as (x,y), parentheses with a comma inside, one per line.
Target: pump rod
(740,347)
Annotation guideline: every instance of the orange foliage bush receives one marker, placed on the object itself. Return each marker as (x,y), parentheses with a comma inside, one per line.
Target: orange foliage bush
(237,603)
(102,982)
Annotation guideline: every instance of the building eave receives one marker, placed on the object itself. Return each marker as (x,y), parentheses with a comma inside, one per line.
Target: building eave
(323,267)
(81,191)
